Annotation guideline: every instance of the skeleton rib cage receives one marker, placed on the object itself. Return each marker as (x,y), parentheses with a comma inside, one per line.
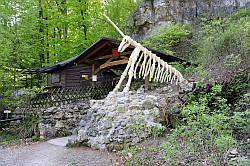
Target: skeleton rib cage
(150,64)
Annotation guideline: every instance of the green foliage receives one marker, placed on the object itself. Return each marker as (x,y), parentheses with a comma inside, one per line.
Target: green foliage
(221,46)
(18,99)
(29,128)
(8,136)
(241,13)
(224,37)
(245,163)
(217,116)
(238,86)
(210,127)
(166,38)
(37,34)
(118,11)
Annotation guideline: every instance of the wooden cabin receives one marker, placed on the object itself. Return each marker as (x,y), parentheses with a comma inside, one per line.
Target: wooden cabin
(94,66)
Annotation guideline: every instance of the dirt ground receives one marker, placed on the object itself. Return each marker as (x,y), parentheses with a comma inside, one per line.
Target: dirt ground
(46,154)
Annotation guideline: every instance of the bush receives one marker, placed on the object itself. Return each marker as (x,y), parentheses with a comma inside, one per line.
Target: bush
(166,38)
(210,127)
(222,46)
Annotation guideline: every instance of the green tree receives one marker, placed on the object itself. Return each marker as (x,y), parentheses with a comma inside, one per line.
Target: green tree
(36,33)
(18,39)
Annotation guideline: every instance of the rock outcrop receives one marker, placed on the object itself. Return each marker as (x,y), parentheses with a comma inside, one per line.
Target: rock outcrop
(151,14)
(61,120)
(123,119)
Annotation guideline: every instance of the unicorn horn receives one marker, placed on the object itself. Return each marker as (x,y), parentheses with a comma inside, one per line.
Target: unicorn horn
(111,22)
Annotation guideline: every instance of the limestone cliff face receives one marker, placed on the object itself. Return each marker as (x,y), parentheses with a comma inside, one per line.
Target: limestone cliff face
(151,14)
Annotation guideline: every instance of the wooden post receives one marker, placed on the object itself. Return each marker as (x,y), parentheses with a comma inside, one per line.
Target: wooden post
(26,81)
(38,75)
(93,73)
(146,83)
(31,81)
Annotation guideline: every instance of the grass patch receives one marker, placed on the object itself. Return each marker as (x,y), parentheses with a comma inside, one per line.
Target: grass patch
(9,137)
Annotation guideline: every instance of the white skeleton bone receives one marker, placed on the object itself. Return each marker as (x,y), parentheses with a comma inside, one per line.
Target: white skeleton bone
(157,73)
(166,73)
(162,73)
(138,65)
(142,70)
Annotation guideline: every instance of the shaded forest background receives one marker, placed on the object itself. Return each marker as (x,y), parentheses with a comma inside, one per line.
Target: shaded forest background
(36,33)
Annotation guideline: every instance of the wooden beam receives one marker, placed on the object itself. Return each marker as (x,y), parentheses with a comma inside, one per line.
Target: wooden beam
(104,57)
(126,53)
(93,52)
(110,55)
(91,61)
(99,68)
(108,64)
(114,63)
(124,57)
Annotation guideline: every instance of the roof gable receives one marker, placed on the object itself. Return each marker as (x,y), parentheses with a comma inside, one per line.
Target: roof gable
(102,47)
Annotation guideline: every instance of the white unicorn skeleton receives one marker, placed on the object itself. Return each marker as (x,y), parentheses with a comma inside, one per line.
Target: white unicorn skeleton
(163,73)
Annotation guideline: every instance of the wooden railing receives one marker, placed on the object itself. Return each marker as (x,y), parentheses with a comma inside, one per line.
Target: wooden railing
(59,96)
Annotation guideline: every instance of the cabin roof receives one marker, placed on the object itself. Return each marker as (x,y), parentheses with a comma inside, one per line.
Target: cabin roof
(100,48)
(32,71)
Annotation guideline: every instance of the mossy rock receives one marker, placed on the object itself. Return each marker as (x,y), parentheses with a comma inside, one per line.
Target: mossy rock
(173,121)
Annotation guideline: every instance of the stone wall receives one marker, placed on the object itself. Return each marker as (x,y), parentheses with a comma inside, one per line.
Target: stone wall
(151,14)
(60,121)
(124,119)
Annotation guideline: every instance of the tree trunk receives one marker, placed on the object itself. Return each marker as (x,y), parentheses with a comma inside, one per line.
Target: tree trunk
(83,13)
(40,15)
(64,12)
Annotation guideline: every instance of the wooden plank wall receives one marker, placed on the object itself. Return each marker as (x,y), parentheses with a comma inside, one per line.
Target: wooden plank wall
(63,77)
(74,75)
(71,76)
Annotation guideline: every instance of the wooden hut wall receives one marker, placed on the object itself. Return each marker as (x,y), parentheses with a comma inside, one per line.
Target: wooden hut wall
(56,79)
(81,75)
(63,77)
(78,75)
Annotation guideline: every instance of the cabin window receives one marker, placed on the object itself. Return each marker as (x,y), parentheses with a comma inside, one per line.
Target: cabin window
(55,78)
(85,76)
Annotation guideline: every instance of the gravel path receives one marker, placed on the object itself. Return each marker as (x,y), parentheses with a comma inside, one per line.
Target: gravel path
(46,154)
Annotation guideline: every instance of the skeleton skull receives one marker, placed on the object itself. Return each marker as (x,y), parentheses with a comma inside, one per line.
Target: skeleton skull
(124,44)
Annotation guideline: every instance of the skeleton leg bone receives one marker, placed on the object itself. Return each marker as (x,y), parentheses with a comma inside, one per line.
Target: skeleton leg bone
(133,58)
(124,74)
